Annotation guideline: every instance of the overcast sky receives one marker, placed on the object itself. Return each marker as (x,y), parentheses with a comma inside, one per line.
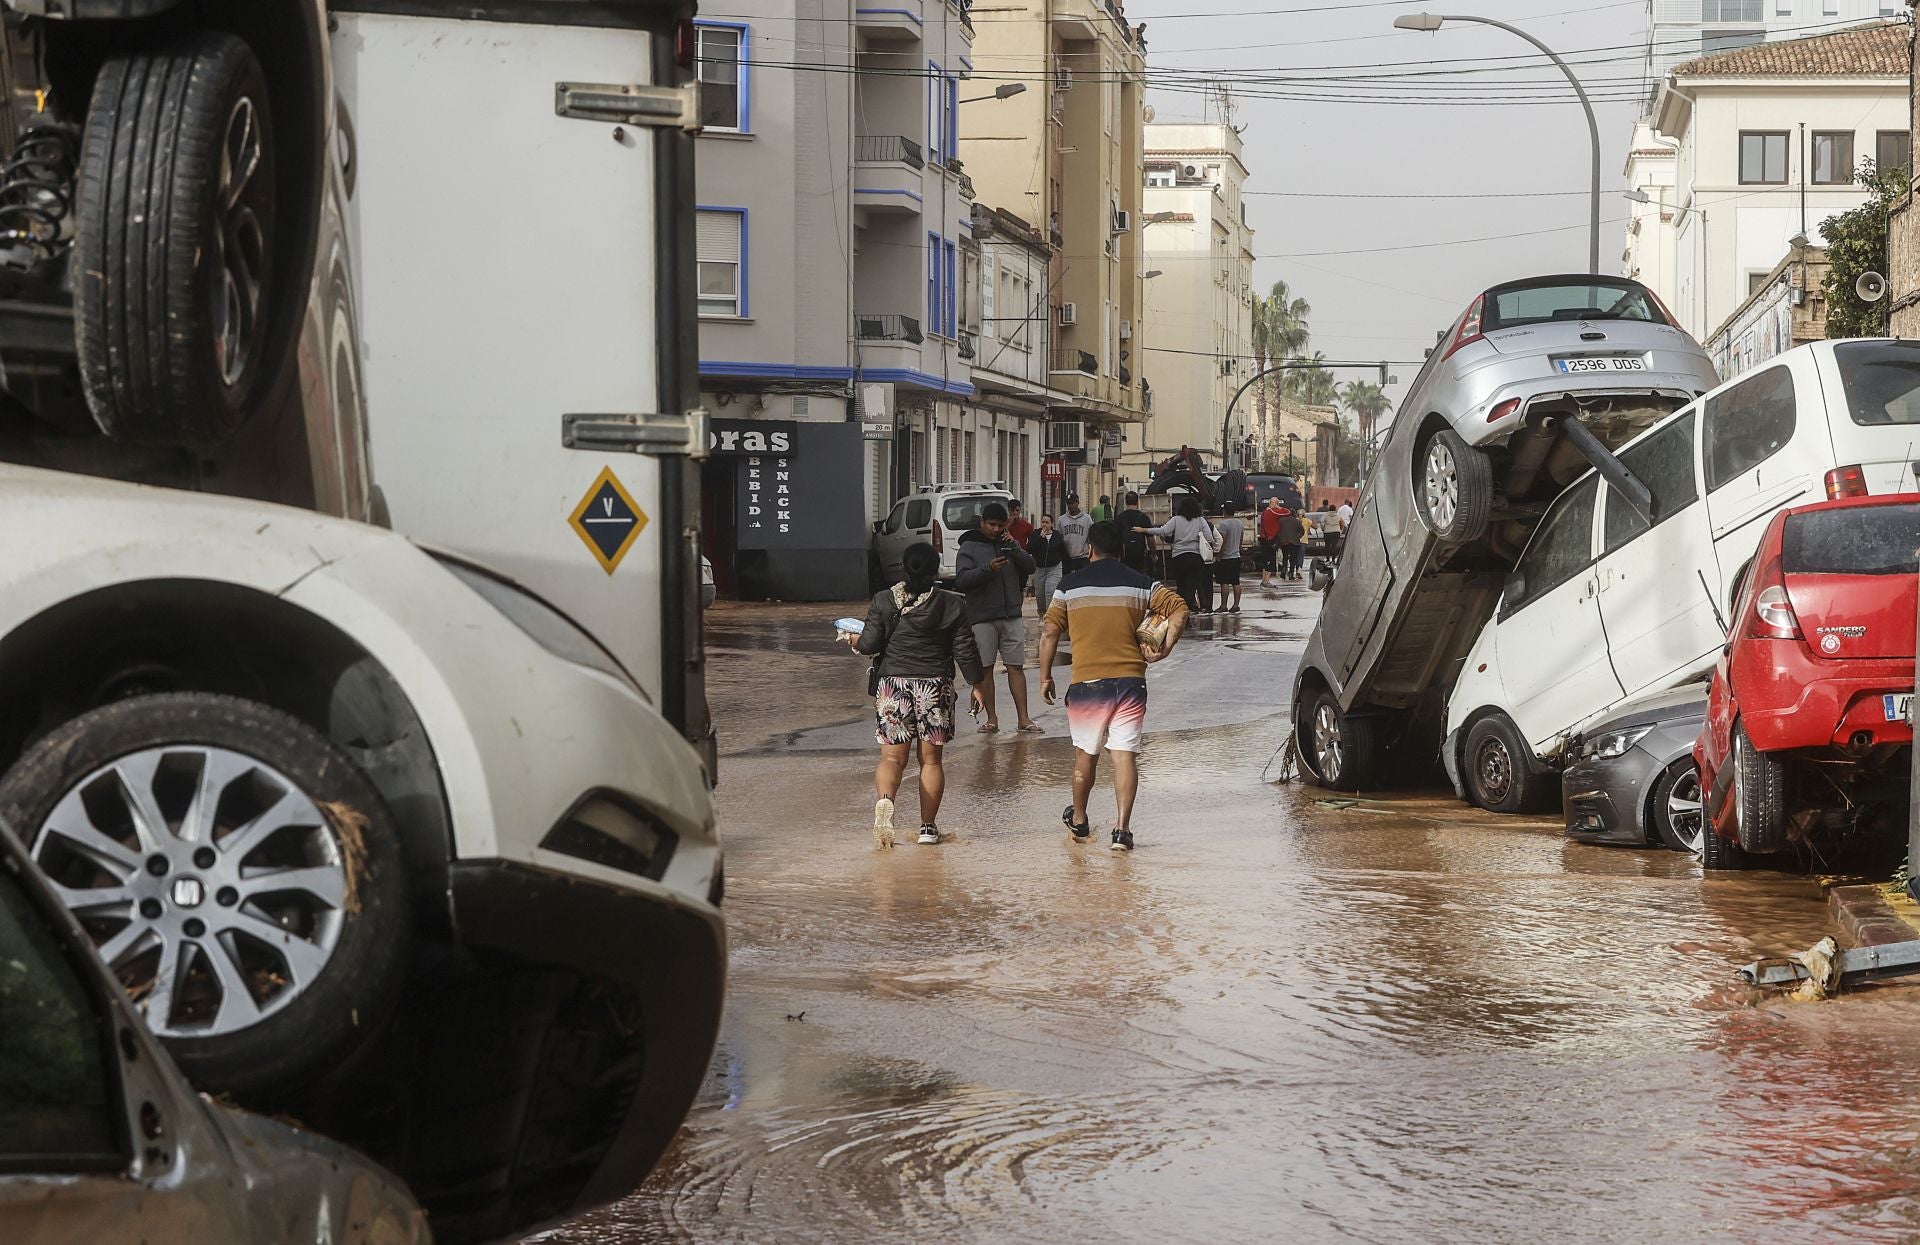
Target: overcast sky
(1370,302)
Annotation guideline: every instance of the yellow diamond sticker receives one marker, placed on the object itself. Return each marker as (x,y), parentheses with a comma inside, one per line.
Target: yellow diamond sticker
(608,520)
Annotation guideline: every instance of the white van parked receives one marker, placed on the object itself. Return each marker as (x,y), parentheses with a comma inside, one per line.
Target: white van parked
(940,516)
(1607,603)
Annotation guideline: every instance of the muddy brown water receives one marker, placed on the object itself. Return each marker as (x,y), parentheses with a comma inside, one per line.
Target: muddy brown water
(1282,1018)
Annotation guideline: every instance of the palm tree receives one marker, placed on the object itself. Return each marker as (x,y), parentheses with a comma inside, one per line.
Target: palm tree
(1279,332)
(1368,402)
(1310,383)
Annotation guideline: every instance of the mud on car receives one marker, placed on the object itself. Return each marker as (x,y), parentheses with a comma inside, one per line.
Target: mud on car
(1534,384)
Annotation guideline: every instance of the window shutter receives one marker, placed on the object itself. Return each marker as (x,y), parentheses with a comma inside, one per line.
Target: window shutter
(718,238)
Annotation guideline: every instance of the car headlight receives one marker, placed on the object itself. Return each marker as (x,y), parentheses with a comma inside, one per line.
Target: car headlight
(543,624)
(1615,743)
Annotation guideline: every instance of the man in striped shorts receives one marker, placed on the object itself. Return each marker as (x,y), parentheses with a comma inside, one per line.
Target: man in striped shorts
(1099,609)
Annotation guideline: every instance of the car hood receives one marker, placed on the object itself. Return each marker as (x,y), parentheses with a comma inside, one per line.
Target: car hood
(1686,701)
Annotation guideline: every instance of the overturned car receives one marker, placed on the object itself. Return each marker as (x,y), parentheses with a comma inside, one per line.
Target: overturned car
(1534,384)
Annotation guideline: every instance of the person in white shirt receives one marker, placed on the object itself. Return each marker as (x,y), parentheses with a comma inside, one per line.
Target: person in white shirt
(1337,541)
(1073,527)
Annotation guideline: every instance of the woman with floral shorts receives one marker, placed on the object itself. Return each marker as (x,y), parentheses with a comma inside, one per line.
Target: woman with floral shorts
(916,633)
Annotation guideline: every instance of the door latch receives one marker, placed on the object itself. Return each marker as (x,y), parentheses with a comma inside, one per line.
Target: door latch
(661,436)
(627,104)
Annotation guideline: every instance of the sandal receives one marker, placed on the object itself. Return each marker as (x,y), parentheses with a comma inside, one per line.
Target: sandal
(988,728)
(1033,728)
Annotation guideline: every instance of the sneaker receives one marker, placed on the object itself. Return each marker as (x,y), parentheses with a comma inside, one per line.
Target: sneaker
(929,835)
(1122,841)
(1082,832)
(883,823)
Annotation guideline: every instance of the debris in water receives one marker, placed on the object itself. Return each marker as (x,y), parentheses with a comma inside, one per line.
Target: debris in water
(351,825)
(1822,971)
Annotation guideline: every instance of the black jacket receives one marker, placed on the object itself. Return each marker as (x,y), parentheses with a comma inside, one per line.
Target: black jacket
(922,644)
(1047,548)
(1130,518)
(991,594)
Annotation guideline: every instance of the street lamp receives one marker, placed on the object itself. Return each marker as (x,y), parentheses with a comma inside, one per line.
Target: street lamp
(1431,22)
(1291,438)
(1006,90)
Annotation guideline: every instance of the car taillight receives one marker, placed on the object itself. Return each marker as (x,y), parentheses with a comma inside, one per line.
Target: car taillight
(939,545)
(1773,617)
(1846,482)
(1663,309)
(1505,409)
(1469,330)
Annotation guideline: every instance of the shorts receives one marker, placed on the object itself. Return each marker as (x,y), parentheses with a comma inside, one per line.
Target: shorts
(1226,571)
(906,710)
(1263,555)
(1109,713)
(1003,640)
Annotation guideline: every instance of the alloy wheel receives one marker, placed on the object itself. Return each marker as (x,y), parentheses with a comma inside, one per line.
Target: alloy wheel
(240,244)
(1326,742)
(1685,812)
(1442,486)
(1494,767)
(211,885)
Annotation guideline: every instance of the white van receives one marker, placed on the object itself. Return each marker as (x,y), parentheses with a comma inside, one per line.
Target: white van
(1607,603)
(939,516)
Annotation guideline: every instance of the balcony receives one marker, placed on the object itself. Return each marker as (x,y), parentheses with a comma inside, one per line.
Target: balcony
(891,20)
(887,174)
(966,188)
(967,348)
(1068,360)
(889,328)
(1125,373)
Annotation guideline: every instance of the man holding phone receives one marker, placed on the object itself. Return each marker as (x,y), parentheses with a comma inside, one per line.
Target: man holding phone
(990,569)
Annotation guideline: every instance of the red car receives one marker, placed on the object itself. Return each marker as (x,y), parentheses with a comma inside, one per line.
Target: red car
(1807,718)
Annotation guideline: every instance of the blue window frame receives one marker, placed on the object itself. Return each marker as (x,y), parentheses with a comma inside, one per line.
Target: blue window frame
(933,283)
(952,304)
(936,113)
(721,65)
(951,97)
(720,243)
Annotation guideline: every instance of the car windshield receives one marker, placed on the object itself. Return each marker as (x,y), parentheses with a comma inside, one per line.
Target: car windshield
(1853,540)
(1510,306)
(1882,381)
(1282,487)
(959,513)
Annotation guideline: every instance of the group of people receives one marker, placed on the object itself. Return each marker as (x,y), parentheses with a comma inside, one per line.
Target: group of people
(1089,596)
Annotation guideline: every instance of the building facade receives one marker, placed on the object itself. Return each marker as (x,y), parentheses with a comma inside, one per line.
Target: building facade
(1682,30)
(1766,142)
(1198,305)
(1066,155)
(1648,256)
(1787,310)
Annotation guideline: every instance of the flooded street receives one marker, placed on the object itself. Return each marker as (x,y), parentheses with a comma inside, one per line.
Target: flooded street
(1283,1017)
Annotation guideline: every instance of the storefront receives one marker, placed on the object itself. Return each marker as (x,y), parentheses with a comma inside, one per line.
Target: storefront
(782,510)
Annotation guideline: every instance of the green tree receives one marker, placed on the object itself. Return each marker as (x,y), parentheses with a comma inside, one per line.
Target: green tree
(1311,383)
(1366,402)
(1279,332)
(1857,243)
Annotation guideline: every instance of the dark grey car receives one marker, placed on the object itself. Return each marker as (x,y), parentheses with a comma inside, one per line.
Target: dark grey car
(1531,387)
(1634,781)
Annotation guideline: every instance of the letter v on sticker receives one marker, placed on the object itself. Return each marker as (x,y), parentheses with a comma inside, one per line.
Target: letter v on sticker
(608,520)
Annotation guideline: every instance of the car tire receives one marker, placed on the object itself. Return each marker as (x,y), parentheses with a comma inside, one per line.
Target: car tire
(1336,748)
(1495,765)
(1675,810)
(273,881)
(173,241)
(1759,796)
(1454,488)
(1719,854)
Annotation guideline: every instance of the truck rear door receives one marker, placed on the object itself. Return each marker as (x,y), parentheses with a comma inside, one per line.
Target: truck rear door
(515,239)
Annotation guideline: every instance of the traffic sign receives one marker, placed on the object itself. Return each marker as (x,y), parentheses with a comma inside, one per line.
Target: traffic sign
(608,520)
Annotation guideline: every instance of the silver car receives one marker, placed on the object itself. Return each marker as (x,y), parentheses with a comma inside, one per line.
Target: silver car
(1534,384)
(102,1140)
(1633,781)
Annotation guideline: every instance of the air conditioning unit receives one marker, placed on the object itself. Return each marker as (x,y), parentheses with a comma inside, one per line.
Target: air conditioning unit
(1126,330)
(1122,221)
(1062,76)
(1191,170)
(1069,315)
(1066,436)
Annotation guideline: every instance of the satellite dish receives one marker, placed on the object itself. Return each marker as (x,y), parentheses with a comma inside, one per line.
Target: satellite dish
(1871,287)
(1146,114)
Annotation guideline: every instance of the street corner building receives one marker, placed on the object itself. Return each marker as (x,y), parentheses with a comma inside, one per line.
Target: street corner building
(918,265)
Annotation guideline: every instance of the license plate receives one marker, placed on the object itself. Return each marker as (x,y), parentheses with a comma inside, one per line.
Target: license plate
(1897,707)
(1611,363)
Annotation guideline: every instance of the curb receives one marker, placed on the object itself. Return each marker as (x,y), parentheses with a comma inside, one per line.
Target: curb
(1872,916)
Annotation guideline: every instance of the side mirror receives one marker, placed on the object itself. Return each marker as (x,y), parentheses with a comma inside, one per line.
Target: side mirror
(879,525)
(1515,589)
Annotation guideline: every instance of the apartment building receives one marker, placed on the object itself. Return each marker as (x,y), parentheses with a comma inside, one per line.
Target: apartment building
(1766,141)
(838,279)
(1066,154)
(1682,30)
(1198,245)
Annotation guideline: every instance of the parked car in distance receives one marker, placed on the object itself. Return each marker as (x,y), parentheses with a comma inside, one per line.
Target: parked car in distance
(1607,603)
(1530,387)
(1264,484)
(102,1139)
(938,516)
(1633,781)
(1808,722)
(289,770)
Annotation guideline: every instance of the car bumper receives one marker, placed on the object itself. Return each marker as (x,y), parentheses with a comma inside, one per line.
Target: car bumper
(1828,712)
(1478,430)
(1604,800)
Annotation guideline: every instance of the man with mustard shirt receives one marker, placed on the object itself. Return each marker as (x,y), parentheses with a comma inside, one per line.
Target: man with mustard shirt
(1099,609)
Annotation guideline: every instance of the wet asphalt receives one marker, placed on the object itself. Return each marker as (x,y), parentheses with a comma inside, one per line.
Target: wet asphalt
(1284,1017)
